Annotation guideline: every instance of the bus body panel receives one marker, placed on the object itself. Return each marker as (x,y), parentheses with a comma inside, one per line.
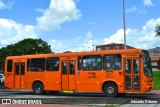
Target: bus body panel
(31,77)
(53,81)
(9,80)
(89,81)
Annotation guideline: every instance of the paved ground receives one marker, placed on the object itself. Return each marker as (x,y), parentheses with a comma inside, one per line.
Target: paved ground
(155,92)
(81,99)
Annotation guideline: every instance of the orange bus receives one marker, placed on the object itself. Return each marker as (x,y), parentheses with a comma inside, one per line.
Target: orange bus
(108,71)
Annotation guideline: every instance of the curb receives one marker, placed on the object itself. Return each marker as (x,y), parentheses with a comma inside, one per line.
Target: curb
(155,92)
(9,90)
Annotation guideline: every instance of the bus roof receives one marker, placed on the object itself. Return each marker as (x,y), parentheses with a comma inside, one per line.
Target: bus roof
(122,51)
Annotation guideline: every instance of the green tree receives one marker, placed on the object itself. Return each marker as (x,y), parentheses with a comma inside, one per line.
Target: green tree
(31,46)
(24,47)
(157,30)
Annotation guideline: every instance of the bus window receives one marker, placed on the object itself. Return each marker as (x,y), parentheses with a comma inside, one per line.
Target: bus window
(72,70)
(128,66)
(17,69)
(9,66)
(79,63)
(37,64)
(22,69)
(28,64)
(92,63)
(112,62)
(136,66)
(64,68)
(52,64)
(128,82)
(147,67)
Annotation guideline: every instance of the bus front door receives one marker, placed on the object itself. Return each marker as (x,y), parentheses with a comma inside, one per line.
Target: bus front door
(19,75)
(132,75)
(68,75)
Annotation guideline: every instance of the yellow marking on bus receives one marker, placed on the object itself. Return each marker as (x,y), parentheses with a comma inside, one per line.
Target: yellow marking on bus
(67,91)
(133,92)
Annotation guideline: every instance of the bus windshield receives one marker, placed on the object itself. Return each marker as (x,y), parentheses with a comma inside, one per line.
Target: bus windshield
(147,64)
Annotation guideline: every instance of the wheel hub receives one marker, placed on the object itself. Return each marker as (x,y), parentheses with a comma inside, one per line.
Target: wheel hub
(110,90)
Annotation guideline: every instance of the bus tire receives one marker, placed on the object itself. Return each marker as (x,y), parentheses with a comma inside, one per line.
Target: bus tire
(38,88)
(111,90)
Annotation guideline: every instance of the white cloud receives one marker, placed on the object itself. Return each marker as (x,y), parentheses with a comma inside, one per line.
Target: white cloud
(142,11)
(132,9)
(116,38)
(135,9)
(56,45)
(59,11)
(67,45)
(148,2)
(6,5)
(39,10)
(11,32)
(75,45)
(143,38)
(2,5)
(89,35)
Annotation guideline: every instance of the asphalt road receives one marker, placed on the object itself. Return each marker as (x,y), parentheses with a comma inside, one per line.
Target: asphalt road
(79,98)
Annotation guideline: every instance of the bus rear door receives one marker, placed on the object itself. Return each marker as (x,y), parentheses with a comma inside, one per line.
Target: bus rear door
(132,74)
(19,75)
(68,75)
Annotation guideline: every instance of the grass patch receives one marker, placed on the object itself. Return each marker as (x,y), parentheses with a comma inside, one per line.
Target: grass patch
(156,77)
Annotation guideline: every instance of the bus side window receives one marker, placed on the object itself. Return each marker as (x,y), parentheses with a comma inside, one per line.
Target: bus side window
(92,62)
(9,65)
(79,63)
(28,64)
(37,64)
(112,62)
(52,64)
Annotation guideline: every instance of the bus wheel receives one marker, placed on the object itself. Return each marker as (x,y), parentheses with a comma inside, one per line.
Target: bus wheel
(38,88)
(110,90)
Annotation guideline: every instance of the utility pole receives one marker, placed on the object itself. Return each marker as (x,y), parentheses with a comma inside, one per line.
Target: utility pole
(124,25)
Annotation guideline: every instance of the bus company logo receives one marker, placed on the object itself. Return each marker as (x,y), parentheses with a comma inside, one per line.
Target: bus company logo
(6,101)
(19,101)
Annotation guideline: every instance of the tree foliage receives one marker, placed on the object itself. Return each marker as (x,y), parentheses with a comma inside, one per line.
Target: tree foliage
(157,30)
(24,47)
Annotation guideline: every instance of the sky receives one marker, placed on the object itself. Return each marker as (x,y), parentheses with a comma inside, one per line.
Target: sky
(77,25)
